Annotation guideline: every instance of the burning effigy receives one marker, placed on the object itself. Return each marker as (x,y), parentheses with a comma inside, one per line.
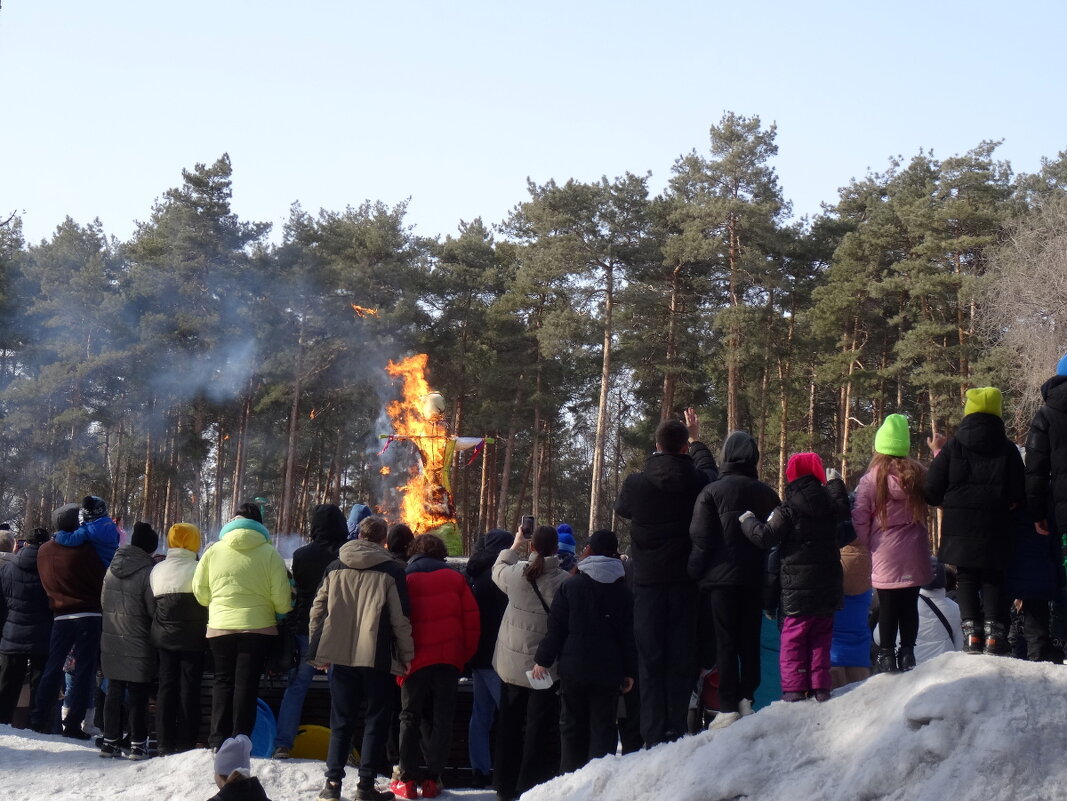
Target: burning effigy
(418,418)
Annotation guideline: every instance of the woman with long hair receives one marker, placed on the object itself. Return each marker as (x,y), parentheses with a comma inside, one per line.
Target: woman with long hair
(530,586)
(890,520)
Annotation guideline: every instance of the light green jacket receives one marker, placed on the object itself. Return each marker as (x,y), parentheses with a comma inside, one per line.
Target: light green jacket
(241,579)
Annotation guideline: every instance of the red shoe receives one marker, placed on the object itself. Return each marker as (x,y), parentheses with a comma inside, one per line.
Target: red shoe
(404,789)
(430,789)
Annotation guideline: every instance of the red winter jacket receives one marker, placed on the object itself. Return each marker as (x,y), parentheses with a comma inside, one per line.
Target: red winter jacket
(444,614)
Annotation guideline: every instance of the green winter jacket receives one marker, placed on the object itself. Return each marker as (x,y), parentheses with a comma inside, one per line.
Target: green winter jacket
(241,579)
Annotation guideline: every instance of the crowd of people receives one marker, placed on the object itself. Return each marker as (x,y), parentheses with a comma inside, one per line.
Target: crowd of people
(572,652)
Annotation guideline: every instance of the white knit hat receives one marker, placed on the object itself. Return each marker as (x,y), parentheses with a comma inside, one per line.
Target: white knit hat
(234,754)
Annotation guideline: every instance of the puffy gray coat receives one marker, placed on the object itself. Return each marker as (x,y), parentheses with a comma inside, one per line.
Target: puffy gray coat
(126,649)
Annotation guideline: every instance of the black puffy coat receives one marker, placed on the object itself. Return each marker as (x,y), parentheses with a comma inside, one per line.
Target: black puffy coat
(722,555)
(24,610)
(808,529)
(1046,456)
(179,622)
(591,626)
(127,652)
(329,531)
(977,478)
(658,502)
(492,602)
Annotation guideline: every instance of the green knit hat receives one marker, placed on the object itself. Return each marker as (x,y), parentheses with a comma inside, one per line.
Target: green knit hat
(984,399)
(893,438)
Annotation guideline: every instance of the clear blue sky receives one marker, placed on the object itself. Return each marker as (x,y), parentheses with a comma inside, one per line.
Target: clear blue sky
(455,104)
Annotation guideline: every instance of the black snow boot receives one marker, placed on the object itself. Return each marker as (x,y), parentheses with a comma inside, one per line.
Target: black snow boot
(996,638)
(886,661)
(905,658)
(973,637)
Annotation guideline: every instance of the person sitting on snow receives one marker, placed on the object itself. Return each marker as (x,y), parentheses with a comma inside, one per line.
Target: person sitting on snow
(233,772)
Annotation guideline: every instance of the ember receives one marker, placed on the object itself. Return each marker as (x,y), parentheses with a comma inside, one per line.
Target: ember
(363,311)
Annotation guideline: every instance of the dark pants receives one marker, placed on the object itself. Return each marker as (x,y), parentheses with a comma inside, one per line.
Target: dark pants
(13,674)
(586,722)
(898,609)
(980,594)
(239,661)
(665,628)
(349,688)
(178,699)
(438,685)
(135,696)
(630,722)
(83,635)
(530,717)
(737,613)
(1036,619)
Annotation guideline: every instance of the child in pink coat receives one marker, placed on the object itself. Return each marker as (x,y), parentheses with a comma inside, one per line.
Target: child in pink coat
(890,519)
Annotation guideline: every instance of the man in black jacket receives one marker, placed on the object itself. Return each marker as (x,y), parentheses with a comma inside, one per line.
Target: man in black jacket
(1046,455)
(25,624)
(659,503)
(591,633)
(729,570)
(329,530)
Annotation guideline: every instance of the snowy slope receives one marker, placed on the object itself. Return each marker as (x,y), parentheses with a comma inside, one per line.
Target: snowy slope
(958,728)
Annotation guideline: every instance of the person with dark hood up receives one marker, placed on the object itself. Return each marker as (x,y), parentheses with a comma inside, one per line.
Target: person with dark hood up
(359,628)
(977,478)
(729,569)
(591,634)
(658,502)
(807,532)
(329,531)
(445,628)
(73,577)
(25,624)
(243,582)
(178,632)
(491,605)
(127,654)
(96,528)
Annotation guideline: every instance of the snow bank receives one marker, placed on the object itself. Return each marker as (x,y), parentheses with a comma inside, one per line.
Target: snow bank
(957,728)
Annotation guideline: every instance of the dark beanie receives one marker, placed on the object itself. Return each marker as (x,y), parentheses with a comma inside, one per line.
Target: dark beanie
(603,543)
(93,508)
(937,582)
(65,518)
(144,537)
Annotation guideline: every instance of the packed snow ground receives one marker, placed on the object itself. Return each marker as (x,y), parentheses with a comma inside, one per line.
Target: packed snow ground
(960,727)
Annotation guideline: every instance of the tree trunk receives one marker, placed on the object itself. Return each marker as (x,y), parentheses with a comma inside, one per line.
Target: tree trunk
(509,453)
(602,406)
(670,376)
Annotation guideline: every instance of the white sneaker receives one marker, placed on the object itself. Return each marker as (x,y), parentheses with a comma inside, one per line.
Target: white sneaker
(744,706)
(723,719)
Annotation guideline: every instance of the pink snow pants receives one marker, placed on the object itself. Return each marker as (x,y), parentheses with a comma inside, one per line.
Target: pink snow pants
(805,654)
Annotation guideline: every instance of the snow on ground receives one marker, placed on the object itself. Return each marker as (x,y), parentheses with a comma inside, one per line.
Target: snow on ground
(955,729)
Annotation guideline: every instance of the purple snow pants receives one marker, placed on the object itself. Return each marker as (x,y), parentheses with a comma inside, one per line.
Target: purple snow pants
(805,656)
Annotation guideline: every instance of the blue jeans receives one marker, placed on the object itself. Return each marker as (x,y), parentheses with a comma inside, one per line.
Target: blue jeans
(292,706)
(486,701)
(83,634)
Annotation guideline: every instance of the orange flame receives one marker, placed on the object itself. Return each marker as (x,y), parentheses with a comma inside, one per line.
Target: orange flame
(363,311)
(314,414)
(425,504)
(385,471)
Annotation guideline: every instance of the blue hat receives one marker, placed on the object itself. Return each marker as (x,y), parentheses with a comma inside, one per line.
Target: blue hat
(566,538)
(1061,365)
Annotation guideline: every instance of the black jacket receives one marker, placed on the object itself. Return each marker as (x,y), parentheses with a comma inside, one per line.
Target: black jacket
(491,601)
(1046,456)
(25,617)
(658,502)
(179,622)
(329,531)
(722,555)
(591,626)
(808,530)
(241,790)
(977,478)
(127,652)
